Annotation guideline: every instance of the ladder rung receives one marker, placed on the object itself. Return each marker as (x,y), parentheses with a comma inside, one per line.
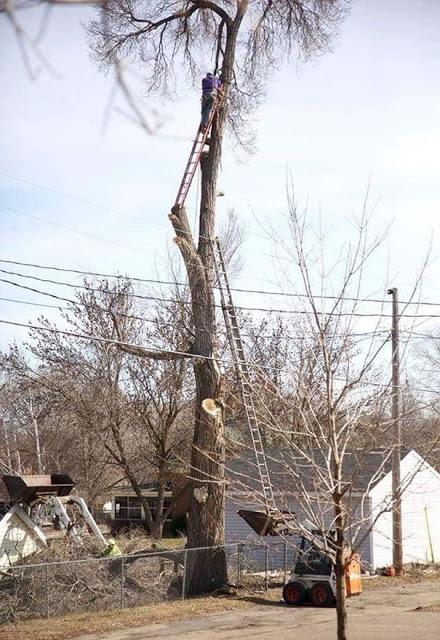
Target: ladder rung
(242,372)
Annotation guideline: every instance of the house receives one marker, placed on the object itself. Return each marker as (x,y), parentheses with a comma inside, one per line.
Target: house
(370,502)
(128,513)
(420,513)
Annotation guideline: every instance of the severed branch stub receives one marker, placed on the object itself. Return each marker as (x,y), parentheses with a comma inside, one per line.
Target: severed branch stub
(213,407)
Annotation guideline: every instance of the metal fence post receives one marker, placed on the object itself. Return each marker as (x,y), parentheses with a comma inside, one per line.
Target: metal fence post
(266,566)
(239,564)
(185,555)
(285,561)
(122,581)
(47,591)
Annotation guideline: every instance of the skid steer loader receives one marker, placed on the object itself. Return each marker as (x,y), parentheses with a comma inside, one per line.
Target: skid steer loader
(313,578)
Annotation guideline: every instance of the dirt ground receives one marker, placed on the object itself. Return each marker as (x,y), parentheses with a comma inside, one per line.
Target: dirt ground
(388,609)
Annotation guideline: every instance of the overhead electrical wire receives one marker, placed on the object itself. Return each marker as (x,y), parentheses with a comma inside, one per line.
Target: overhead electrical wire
(89,203)
(152,222)
(186,354)
(364,334)
(241,308)
(283,294)
(85,201)
(72,230)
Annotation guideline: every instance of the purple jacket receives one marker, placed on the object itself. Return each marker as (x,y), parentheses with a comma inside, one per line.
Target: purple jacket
(210,84)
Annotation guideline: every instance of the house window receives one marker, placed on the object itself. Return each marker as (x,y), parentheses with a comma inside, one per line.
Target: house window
(152,504)
(128,508)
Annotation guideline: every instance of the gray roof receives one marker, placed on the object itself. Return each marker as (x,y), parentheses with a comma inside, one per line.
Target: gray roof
(288,469)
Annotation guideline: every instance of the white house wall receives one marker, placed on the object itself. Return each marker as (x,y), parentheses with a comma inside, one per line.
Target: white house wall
(420,509)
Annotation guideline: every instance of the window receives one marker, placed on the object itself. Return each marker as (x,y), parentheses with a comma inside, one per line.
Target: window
(128,508)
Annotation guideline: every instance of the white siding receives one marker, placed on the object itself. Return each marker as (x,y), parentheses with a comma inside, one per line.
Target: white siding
(420,509)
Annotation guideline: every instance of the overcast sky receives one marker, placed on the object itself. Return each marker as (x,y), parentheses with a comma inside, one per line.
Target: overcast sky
(367,111)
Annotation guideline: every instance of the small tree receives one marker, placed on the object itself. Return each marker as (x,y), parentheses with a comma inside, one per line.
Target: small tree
(128,415)
(325,446)
(27,407)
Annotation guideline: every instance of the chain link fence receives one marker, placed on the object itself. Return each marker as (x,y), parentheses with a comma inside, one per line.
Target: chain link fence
(99,584)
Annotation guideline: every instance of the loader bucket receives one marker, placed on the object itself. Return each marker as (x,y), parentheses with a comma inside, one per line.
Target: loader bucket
(26,489)
(265,524)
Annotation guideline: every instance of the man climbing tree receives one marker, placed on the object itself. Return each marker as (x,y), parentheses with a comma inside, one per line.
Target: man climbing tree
(210,91)
(243,38)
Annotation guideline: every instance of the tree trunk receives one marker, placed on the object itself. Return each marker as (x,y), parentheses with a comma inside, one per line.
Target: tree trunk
(341,602)
(206,569)
(8,449)
(158,518)
(17,455)
(37,438)
(156,530)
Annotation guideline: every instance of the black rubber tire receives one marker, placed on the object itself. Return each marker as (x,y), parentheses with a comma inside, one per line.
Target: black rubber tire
(294,593)
(321,595)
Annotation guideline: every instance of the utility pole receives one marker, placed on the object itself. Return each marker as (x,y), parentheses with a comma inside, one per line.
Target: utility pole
(397,444)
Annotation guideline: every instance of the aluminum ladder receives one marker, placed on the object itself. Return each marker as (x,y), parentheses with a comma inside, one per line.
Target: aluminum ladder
(194,158)
(242,372)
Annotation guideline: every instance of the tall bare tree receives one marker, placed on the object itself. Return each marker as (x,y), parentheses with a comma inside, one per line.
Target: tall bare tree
(243,39)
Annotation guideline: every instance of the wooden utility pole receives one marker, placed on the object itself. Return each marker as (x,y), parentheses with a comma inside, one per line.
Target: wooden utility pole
(397,444)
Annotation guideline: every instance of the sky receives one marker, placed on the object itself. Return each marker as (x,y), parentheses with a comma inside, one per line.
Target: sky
(365,114)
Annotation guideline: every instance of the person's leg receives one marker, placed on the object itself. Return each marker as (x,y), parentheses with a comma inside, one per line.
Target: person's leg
(206,109)
(205,112)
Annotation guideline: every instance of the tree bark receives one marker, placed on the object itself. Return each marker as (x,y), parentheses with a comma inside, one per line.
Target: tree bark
(156,530)
(207,569)
(37,437)
(341,602)
(8,449)
(17,455)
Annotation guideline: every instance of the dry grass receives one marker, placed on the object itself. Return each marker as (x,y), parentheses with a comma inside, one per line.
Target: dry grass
(414,574)
(72,626)
(88,623)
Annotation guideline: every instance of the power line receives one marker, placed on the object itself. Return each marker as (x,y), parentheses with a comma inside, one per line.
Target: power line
(95,273)
(78,199)
(135,346)
(242,308)
(254,336)
(143,220)
(83,336)
(186,354)
(184,284)
(72,230)
(92,204)
(95,237)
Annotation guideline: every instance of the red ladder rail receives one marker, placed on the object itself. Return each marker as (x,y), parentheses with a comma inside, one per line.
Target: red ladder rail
(194,159)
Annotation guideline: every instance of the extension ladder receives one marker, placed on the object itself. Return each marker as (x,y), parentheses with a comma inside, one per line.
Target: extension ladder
(242,371)
(194,157)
